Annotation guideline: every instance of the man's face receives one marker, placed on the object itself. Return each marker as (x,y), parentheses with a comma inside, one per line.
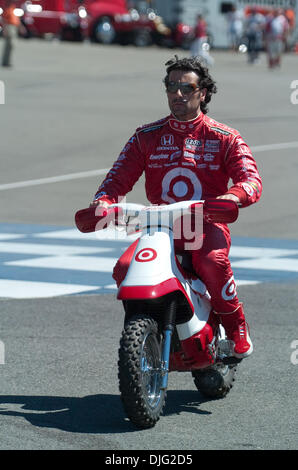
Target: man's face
(183,104)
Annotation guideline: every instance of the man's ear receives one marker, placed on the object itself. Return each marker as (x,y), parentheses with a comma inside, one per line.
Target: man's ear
(203,94)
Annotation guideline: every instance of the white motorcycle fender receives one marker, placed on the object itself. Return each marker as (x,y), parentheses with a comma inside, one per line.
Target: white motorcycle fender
(151,263)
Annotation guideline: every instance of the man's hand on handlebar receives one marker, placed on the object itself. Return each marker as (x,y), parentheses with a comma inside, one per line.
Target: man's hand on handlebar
(98,202)
(230,196)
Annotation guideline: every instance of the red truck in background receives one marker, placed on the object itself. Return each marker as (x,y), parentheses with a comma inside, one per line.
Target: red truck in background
(110,21)
(103,21)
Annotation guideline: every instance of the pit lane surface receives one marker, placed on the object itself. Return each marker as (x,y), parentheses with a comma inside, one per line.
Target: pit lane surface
(69,109)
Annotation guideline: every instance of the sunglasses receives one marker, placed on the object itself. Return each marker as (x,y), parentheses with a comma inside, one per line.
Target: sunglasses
(185,88)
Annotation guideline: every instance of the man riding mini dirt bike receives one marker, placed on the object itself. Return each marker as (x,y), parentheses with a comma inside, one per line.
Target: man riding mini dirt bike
(185,156)
(180,314)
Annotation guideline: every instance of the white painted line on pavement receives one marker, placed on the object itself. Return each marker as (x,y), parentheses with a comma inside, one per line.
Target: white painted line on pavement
(10,236)
(259,252)
(244,282)
(15,289)
(74,234)
(270,264)
(53,250)
(67,234)
(77,263)
(281,146)
(53,179)
(88,174)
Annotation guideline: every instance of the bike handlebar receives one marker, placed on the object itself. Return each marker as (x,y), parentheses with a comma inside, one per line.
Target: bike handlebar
(97,217)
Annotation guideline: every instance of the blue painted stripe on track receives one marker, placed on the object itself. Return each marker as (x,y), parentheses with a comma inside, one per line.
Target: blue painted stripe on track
(265,242)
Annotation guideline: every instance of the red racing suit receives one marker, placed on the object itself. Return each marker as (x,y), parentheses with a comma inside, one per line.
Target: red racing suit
(185,160)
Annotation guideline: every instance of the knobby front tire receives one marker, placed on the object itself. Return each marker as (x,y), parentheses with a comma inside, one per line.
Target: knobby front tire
(140,374)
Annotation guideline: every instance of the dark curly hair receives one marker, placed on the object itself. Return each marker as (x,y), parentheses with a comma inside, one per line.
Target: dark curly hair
(193,64)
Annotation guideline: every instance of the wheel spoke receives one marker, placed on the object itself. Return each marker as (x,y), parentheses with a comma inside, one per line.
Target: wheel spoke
(151,374)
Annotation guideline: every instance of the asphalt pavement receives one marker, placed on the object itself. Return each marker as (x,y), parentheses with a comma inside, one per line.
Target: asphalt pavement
(69,110)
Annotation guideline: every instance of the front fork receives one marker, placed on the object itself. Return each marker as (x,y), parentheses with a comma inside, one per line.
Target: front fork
(169,325)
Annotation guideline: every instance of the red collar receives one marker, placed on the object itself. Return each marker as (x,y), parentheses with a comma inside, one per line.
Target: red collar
(185,126)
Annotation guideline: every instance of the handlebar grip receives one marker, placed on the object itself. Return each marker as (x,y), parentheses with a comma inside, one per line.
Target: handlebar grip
(223,211)
(93,218)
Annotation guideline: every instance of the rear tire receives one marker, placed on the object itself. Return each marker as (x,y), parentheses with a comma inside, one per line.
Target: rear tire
(140,376)
(215,381)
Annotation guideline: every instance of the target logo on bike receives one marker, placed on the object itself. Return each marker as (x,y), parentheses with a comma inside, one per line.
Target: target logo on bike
(146,254)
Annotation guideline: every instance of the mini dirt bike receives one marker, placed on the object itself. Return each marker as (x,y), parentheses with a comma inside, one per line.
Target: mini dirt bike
(169,323)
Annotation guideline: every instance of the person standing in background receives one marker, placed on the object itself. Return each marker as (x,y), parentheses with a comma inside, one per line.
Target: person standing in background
(254,28)
(200,47)
(235,27)
(277,30)
(11,24)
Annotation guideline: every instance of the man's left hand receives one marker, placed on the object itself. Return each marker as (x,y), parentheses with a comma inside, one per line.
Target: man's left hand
(231,197)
